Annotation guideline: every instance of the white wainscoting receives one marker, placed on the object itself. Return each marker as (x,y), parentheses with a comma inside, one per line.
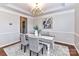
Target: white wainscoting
(8,38)
(64,37)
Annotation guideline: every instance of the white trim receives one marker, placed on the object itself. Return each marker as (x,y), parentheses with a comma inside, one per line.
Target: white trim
(64,11)
(54,9)
(8,33)
(76,34)
(63,32)
(12,12)
(17,8)
(63,42)
(9,44)
(71,36)
(58,12)
(9,38)
(59,32)
(76,49)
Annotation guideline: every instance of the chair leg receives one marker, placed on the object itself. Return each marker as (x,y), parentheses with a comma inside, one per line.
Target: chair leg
(42,50)
(24,48)
(46,47)
(30,52)
(37,54)
(21,46)
(28,45)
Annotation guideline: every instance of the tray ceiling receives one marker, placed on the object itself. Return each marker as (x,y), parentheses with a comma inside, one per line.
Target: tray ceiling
(26,8)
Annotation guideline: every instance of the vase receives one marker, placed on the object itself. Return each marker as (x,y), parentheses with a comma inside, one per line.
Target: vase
(36,32)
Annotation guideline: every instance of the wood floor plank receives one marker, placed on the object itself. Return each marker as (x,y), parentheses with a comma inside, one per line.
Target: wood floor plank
(72,49)
(2,52)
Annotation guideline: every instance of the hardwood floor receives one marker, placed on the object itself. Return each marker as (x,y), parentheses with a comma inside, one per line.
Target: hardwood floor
(72,50)
(2,52)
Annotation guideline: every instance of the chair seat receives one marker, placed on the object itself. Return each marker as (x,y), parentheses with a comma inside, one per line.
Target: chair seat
(25,43)
(34,45)
(39,48)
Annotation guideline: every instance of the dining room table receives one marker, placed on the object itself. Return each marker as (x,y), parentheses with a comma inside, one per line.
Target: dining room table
(46,40)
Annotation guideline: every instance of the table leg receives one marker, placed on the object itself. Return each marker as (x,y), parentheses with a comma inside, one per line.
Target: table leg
(48,53)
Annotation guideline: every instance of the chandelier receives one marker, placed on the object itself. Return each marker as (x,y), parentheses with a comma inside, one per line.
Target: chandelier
(36,11)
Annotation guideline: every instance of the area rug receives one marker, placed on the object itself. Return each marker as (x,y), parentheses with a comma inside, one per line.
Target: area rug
(58,50)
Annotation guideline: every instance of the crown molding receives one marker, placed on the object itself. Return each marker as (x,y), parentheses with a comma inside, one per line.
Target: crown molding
(17,9)
(3,9)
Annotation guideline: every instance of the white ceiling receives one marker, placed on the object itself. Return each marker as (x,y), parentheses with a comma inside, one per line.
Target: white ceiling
(26,8)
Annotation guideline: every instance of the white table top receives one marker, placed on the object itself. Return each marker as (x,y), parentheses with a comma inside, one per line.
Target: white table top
(47,40)
(43,37)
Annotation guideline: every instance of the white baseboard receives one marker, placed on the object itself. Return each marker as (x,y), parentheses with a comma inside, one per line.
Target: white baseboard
(8,38)
(76,35)
(9,44)
(63,37)
(76,49)
(63,42)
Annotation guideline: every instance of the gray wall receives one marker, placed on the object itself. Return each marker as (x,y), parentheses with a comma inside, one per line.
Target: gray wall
(63,25)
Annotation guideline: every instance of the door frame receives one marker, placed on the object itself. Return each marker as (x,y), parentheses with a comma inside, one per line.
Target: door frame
(23,19)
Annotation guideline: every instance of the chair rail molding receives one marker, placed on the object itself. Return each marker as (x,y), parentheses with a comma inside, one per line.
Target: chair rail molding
(9,38)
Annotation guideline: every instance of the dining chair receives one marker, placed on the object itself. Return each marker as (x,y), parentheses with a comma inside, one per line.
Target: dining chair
(24,41)
(49,34)
(35,46)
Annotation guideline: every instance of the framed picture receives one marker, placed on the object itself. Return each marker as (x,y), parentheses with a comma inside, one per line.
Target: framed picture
(47,23)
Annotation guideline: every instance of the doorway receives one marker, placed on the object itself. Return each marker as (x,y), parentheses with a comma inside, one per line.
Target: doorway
(23,24)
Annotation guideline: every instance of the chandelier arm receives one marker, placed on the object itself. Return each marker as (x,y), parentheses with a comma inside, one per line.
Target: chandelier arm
(36,11)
